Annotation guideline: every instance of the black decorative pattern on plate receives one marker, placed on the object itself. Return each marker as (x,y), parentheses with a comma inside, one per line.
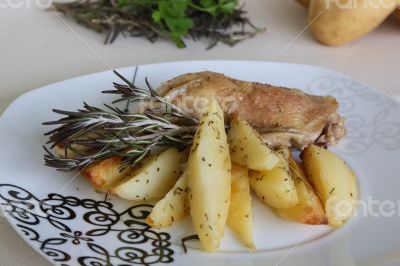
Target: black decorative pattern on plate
(100,225)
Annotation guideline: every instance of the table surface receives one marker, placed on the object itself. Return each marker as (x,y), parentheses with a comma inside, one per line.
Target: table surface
(37,48)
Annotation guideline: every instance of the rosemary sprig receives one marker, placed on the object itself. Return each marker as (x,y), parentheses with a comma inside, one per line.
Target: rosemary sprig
(103,133)
(219,21)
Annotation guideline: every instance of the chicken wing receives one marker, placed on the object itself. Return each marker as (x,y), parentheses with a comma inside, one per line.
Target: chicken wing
(284,117)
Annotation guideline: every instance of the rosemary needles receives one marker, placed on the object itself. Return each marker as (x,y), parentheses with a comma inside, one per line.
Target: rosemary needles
(92,134)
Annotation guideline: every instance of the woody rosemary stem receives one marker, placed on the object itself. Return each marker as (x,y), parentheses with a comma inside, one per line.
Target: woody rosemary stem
(92,134)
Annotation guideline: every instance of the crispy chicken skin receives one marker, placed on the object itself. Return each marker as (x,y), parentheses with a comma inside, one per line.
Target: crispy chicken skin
(284,117)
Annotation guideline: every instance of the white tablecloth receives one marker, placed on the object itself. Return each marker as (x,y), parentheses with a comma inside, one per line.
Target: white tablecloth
(37,49)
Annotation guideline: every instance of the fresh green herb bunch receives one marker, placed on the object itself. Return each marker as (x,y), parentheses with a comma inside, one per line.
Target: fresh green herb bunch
(93,134)
(168,19)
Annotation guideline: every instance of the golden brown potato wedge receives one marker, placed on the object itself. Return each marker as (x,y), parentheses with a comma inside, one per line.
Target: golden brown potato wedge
(240,217)
(105,174)
(209,178)
(172,207)
(275,187)
(309,210)
(248,148)
(153,178)
(334,181)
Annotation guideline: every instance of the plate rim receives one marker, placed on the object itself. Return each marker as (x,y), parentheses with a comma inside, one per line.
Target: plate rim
(304,246)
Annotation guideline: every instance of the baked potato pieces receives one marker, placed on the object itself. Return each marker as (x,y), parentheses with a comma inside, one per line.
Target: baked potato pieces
(240,217)
(275,188)
(309,210)
(153,178)
(248,148)
(334,181)
(105,174)
(172,207)
(209,178)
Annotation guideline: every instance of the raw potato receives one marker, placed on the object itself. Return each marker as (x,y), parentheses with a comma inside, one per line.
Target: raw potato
(334,181)
(209,178)
(309,210)
(337,25)
(275,187)
(248,148)
(105,174)
(153,179)
(172,207)
(240,217)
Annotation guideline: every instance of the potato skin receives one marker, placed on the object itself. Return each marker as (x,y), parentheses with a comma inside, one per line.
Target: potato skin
(333,25)
(309,210)
(334,181)
(209,178)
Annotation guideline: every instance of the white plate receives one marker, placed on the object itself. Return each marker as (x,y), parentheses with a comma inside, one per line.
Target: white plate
(77,227)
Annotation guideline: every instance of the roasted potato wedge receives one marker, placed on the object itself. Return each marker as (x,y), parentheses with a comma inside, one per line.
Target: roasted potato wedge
(105,174)
(172,207)
(334,181)
(209,178)
(153,178)
(248,148)
(275,187)
(309,210)
(240,217)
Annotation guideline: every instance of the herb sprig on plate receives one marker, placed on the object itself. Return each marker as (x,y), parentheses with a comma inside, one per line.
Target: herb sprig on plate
(216,20)
(92,134)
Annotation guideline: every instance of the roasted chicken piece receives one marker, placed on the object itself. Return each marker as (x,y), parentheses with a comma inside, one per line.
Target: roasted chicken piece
(284,117)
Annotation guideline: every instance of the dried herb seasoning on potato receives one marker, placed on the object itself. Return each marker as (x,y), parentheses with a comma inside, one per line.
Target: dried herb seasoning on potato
(275,187)
(172,207)
(209,178)
(309,210)
(240,217)
(334,181)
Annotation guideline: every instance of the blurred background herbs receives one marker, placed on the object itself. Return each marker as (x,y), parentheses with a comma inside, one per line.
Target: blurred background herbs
(174,20)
